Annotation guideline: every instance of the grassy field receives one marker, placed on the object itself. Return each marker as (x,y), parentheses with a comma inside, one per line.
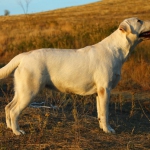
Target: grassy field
(76,27)
(73,125)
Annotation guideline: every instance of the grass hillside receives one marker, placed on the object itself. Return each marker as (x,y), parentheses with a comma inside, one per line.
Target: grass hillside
(76,27)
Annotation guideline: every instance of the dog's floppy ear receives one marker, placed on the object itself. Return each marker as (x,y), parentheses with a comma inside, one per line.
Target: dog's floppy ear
(125,27)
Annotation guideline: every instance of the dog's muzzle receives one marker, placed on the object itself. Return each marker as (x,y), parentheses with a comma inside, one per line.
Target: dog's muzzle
(145,35)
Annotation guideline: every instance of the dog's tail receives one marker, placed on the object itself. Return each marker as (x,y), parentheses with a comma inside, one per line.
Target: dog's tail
(11,66)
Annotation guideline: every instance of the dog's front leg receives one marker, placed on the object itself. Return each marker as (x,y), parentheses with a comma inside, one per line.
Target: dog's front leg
(102,110)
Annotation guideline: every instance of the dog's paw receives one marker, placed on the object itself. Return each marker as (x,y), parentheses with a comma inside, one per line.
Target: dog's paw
(106,128)
(109,129)
(19,132)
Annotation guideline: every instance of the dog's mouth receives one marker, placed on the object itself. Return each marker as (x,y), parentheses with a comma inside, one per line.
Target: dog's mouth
(145,35)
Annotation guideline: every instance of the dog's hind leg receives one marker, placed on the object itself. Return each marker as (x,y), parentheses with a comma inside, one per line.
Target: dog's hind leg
(22,101)
(27,85)
(7,112)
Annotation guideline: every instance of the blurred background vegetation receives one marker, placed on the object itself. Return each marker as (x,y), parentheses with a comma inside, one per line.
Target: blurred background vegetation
(76,27)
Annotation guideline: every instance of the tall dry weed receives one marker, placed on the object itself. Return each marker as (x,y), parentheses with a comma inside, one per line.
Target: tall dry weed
(136,75)
(140,73)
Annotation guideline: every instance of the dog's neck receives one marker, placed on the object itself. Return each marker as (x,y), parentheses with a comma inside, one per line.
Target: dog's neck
(123,45)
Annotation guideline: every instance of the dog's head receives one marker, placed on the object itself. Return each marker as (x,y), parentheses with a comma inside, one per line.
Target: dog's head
(135,29)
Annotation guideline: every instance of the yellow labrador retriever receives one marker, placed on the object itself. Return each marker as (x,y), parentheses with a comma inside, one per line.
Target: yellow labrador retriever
(93,69)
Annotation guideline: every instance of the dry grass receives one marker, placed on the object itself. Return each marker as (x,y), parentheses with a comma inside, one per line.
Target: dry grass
(74,125)
(75,27)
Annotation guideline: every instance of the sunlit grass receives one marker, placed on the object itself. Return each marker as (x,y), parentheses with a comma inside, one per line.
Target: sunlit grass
(73,28)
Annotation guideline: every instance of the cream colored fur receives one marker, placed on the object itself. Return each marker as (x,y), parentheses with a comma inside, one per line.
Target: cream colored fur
(85,71)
